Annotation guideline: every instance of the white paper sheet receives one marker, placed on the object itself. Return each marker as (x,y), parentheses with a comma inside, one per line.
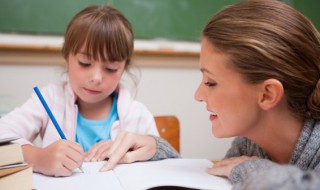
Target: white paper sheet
(189,173)
(91,179)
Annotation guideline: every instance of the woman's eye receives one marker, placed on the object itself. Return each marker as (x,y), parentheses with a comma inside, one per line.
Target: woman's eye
(84,64)
(210,84)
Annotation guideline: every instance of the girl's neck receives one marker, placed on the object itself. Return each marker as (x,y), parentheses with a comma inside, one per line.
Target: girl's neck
(278,135)
(95,111)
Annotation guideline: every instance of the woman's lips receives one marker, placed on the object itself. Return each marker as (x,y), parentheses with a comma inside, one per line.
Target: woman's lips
(212,117)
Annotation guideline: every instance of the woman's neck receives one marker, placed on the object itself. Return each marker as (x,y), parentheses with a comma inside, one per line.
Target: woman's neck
(278,135)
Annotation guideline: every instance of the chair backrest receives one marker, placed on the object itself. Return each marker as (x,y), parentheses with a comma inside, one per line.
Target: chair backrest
(169,129)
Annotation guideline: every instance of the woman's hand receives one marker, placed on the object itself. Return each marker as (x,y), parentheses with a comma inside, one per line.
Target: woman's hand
(58,159)
(129,147)
(224,167)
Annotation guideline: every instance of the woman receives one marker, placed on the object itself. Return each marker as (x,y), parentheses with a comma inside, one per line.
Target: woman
(261,83)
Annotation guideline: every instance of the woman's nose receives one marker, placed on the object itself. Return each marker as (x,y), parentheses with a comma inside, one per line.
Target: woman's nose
(198,95)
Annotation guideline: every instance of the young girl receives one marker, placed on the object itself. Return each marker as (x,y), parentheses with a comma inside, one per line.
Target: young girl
(260,64)
(92,107)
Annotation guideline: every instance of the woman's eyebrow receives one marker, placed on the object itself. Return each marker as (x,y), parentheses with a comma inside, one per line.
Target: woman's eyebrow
(204,70)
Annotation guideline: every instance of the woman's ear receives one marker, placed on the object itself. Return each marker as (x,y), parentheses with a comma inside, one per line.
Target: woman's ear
(271,93)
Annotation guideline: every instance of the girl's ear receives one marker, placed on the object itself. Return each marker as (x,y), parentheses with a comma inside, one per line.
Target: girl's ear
(66,63)
(271,94)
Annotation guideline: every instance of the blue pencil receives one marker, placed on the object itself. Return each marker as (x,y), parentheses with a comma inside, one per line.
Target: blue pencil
(53,119)
(46,107)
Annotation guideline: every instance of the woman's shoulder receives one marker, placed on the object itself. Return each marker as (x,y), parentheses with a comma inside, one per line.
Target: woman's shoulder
(244,146)
(241,140)
(244,143)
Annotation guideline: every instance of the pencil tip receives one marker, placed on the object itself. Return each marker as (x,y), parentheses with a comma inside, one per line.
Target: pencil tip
(80,168)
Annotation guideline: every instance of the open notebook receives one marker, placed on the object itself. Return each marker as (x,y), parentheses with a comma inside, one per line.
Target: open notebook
(189,173)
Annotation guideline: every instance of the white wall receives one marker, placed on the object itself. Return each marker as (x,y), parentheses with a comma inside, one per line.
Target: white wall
(163,90)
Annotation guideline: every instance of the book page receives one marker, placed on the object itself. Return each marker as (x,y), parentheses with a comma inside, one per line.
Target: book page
(90,179)
(190,173)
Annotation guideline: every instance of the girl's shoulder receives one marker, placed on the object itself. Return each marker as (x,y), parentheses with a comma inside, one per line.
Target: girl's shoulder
(54,87)
(54,90)
(127,104)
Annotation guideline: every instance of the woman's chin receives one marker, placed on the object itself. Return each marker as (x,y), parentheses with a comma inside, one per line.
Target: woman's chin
(218,133)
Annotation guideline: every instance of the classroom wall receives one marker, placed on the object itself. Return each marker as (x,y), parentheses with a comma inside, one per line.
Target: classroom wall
(164,91)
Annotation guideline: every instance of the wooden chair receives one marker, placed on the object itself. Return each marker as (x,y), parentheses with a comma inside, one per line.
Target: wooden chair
(169,129)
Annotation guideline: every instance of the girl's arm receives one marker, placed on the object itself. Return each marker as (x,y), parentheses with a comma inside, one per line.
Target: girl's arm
(25,122)
(129,147)
(58,159)
(28,120)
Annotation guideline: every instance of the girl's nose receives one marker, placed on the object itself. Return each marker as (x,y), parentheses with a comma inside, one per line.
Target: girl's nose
(96,76)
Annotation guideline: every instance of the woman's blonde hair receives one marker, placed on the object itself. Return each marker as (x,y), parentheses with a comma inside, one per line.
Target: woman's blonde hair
(105,33)
(269,39)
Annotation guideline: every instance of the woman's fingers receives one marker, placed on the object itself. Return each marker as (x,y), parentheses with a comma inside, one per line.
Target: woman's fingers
(224,167)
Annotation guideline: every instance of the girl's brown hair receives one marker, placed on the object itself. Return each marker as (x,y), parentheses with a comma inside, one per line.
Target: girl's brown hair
(105,33)
(269,39)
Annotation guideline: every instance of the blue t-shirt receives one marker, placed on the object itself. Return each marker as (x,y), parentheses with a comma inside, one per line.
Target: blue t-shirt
(90,132)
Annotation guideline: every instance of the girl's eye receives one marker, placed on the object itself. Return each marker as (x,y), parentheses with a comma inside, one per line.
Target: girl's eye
(111,70)
(210,84)
(84,64)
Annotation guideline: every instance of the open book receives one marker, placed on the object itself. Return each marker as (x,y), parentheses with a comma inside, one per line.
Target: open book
(188,173)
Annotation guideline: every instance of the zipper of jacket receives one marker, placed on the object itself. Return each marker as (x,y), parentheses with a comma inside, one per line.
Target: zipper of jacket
(74,122)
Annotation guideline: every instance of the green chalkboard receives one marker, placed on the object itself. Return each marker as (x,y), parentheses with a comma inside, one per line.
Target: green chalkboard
(310,8)
(168,19)
(171,19)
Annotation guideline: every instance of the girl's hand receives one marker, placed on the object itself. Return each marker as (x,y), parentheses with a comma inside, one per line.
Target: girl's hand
(58,159)
(224,167)
(98,152)
(128,148)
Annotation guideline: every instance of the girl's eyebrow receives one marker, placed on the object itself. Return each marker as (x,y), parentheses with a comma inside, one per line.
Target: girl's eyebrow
(84,53)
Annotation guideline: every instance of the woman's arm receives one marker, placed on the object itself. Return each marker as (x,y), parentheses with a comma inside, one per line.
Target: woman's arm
(264,174)
(164,150)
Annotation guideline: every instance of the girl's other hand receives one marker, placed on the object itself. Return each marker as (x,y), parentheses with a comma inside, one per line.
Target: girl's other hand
(58,159)
(224,167)
(128,148)
(98,152)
